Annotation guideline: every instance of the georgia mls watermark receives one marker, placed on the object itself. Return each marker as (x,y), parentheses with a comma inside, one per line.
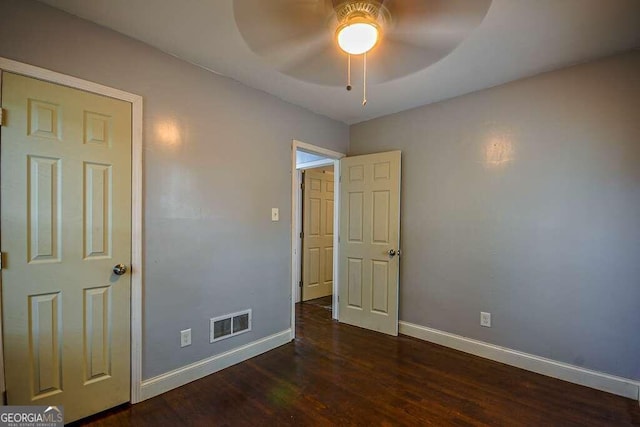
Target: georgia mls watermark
(31,416)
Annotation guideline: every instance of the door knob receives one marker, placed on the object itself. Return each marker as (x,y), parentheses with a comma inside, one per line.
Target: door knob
(392,252)
(119,269)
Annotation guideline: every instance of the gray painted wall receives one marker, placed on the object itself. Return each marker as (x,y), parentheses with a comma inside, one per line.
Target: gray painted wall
(524,200)
(217,158)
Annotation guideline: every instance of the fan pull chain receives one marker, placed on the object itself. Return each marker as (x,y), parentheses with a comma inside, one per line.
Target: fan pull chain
(349,72)
(364,83)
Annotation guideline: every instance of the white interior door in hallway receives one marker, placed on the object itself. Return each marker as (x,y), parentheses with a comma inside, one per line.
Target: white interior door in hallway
(369,241)
(317,241)
(66,222)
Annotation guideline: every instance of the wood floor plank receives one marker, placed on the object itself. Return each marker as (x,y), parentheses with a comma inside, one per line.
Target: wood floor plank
(335,374)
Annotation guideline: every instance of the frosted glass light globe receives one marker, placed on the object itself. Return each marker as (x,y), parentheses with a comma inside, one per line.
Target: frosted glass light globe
(357,38)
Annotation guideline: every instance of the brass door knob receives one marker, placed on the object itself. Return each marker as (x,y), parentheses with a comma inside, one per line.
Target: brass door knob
(119,269)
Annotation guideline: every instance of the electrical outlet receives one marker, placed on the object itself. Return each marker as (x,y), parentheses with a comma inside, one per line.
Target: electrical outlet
(275,214)
(185,337)
(485,319)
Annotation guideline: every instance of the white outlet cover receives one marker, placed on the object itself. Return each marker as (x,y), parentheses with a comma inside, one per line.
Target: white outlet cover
(185,337)
(485,319)
(275,214)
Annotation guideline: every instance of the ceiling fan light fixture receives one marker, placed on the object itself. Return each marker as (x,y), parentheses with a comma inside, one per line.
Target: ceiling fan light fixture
(356,38)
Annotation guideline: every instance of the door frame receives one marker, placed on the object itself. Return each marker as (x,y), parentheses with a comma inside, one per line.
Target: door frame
(296,219)
(27,70)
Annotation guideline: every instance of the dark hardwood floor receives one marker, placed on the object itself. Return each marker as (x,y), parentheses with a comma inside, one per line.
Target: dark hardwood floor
(335,374)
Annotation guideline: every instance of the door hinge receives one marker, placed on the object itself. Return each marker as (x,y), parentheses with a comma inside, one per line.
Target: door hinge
(1,260)
(302,235)
(302,185)
(300,284)
(2,116)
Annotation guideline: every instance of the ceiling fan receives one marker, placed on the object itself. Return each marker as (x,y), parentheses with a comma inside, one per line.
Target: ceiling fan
(318,40)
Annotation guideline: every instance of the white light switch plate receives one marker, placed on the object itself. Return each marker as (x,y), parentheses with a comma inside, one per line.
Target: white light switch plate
(275,214)
(185,337)
(485,319)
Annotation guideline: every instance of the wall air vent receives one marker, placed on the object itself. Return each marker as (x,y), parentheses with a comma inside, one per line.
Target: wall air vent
(230,325)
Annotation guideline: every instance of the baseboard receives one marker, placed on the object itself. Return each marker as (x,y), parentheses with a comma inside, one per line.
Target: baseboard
(181,376)
(564,371)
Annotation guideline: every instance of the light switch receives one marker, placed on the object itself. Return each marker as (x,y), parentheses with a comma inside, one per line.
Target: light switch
(185,337)
(275,214)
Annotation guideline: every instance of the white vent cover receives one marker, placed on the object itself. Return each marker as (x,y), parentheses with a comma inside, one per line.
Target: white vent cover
(230,325)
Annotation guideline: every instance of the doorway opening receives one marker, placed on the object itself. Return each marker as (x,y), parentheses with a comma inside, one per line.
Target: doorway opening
(316,284)
(365,270)
(315,204)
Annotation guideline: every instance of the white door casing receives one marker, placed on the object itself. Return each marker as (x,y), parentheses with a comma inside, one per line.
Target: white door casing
(66,220)
(369,229)
(317,242)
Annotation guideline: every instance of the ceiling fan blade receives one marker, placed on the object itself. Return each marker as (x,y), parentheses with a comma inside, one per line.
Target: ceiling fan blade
(287,33)
(287,53)
(325,65)
(425,23)
(266,24)
(421,33)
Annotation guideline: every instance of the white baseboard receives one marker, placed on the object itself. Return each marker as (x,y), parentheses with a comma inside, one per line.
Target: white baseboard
(181,376)
(564,371)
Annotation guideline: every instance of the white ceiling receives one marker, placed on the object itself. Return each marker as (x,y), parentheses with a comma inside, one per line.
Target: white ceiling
(518,38)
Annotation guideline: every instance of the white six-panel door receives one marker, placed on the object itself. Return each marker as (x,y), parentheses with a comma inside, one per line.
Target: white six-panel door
(65,221)
(369,241)
(317,244)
